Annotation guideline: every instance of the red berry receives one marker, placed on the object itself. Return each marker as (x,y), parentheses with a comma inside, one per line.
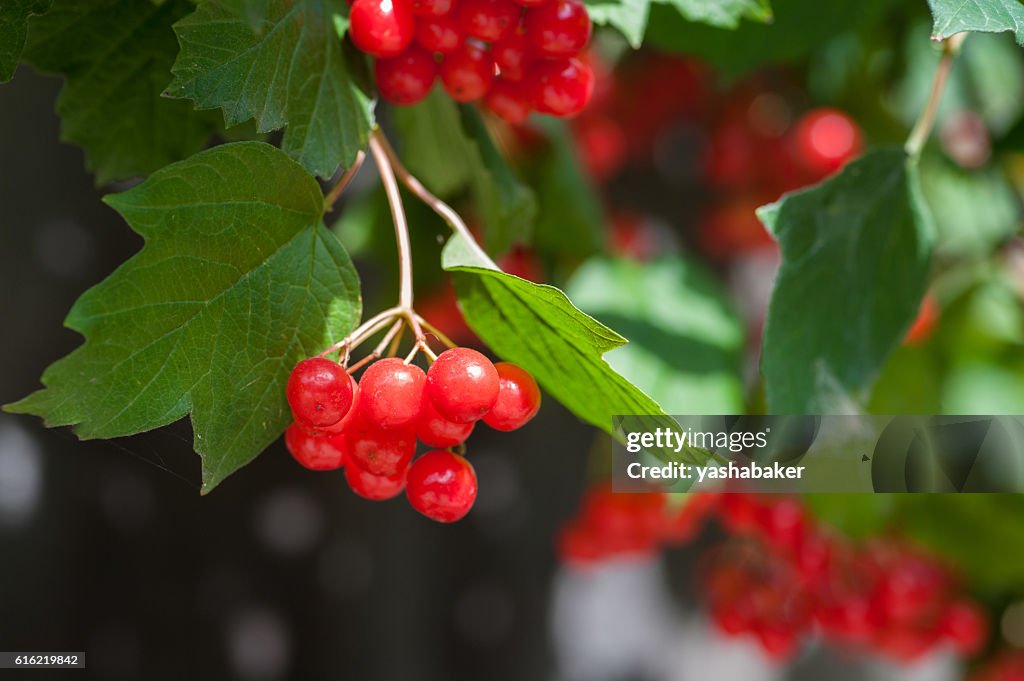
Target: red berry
(559,28)
(825,140)
(341,425)
(407,78)
(319,392)
(382,28)
(467,73)
(487,19)
(431,8)
(375,487)
(378,451)
(518,398)
(561,87)
(315,452)
(966,626)
(512,55)
(462,384)
(531,3)
(438,34)
(436,431)
(390,392)
(509,100)
(441,486)
(924,323)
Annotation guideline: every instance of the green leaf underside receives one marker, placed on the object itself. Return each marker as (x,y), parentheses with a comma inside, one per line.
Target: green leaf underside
(281,63)
(116,56)
(988,16)
(751,44)
(630,17)
(855,253)
(238,281)
(537,327)
(451,149)
(685,340)
(14,15)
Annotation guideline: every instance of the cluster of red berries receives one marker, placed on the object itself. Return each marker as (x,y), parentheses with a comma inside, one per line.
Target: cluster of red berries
(782,576)
(371,427)
(517,56)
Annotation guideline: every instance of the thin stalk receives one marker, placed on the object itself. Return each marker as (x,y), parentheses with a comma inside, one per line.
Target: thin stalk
(387,176)
(343,181)
(923,127)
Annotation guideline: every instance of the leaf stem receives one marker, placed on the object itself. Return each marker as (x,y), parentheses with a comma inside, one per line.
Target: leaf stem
(367,328)
(446,212)
(923,127)
(343,181)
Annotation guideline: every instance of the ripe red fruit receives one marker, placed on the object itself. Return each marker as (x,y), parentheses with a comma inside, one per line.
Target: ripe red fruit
(487,20)
(825,140)
(315,452)
(390,392)
(407,78)
(341,425)
(462,384)
(379,451)
(467,73)
(319,392)
(559,28)
(441,486)
(561,87)
(510,101)
(531,3)
(438,34)
(434,430)
(382,28)
(512,55)
(924,323)
(518,398)
(966,626)
(375,487)
(430,8)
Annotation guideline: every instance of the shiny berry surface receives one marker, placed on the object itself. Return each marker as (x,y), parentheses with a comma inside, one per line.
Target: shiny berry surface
(315,452)
(462,384)
(441,486)
(511,101)
(375,487)
(467,73)
(382,28)
(487,20)
(518,398)
(513,56)
(430,8)
(559,28)
(434,430)
(379,451)
(390,392)
(826,139)
(407,78)
(319,392)
(561,87)
(438,34)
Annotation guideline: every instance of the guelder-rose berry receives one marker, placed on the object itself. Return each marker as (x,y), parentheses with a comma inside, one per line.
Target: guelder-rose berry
(467,73)
(390,392)
(315,452)
(431,8)
(487,20)
(434,430)
(319,392)
(438,34)
(407,78)
(462,384)
(382,28)
(518,398)
(559,28)
(375,487)
(441,486)
(966,627)
(825,140)
(379,451)
(561,87)
(512,55)
(511,101)
(341,425)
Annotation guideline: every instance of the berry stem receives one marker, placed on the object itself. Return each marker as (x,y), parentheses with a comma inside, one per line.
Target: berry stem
(391,189)
(343,181)
(923,127)
(437,205)
(367,328)
(436,332)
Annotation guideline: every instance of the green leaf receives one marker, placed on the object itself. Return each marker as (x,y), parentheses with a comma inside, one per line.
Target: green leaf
(14,15)
(722,13)
(974,211)
(570,219)
(855,253)
(752,44)
(628,17)
(116,56)
(538,327)
(450,149)
(988,16)
(690,362)
(238,280)
(280,62)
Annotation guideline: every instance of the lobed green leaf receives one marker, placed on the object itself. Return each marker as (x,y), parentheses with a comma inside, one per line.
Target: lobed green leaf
(988,16)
